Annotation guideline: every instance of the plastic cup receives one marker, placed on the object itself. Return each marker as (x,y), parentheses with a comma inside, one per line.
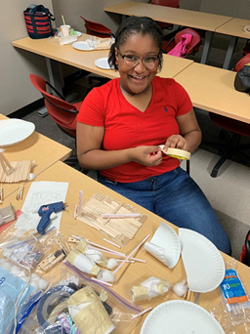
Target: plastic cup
(65,29)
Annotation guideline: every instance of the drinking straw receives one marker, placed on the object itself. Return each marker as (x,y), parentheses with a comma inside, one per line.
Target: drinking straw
(141,313)
(130,255)
(63,20)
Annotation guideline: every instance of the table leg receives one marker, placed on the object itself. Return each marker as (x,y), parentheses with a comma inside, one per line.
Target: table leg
(206,48)
(230,51)
(55,74)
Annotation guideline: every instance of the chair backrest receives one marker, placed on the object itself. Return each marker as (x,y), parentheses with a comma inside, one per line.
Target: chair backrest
(63,113)
(242,62)
(96,29)
(193,42)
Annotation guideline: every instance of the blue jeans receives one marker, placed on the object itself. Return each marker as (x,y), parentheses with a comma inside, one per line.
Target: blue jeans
(175,197)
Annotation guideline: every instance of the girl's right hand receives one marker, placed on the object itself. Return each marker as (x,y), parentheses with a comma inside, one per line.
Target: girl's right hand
(146,155)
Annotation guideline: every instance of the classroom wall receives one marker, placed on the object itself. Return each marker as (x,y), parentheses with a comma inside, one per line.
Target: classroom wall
(15,66)
(233,8)
(93,10)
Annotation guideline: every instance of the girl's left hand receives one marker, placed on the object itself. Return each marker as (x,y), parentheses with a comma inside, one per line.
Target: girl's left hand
(176,141)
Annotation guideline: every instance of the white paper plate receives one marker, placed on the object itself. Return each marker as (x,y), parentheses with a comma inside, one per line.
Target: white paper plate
(78,34)
(82,46)
(180,317)
(203,262)
(165,241)
(14,130)
(102,63)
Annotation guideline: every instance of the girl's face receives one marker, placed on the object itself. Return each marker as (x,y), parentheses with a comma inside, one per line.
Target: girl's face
(137,63)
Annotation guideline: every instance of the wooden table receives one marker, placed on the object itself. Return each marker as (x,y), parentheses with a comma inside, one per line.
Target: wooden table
(235,29)
(212,89)
(136,273)
(187,18)
(38,148)
(55,54)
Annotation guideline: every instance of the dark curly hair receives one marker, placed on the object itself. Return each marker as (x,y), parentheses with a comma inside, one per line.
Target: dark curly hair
(136,25)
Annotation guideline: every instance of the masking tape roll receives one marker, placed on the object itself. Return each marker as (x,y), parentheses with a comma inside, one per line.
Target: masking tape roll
(52,297)
(176,153)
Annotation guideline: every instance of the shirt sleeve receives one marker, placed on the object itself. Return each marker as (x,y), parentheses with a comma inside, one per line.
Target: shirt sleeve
(92,109)
(184,104)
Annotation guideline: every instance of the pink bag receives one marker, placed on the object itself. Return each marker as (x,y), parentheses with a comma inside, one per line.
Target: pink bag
(181,48)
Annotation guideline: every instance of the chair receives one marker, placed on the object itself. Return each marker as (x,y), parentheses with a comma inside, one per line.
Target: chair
(233,131)
(192,46)
(96,29)
(63,113)
(167,3)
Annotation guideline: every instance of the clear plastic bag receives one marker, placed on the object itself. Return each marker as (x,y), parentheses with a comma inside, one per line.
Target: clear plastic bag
(51,312)
(233,311)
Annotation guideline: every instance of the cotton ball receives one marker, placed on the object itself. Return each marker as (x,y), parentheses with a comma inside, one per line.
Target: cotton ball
(42,284)
(180,289)
(31,177)
(106,276)
(34,277)
(112,263)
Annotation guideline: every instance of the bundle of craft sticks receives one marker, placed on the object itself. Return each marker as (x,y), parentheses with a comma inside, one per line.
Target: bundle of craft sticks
(119,226)
(20,172)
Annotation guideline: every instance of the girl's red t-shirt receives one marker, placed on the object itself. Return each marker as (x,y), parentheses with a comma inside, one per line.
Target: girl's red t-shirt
(126,126)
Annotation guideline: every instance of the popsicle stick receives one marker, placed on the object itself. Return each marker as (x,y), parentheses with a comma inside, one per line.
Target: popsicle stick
(130,255)
(4,162)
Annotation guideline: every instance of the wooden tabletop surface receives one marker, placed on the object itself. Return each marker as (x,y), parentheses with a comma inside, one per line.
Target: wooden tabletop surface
(235,27)
(38,148)
(86,59)
(132,274)
(212,89)
(178,16)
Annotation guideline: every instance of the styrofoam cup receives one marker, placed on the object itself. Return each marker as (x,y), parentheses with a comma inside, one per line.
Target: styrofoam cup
(65,29)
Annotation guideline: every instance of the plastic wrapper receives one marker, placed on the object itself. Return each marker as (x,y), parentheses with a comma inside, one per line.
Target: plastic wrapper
(32,251)
(51,314)
(19,293)
(233,311)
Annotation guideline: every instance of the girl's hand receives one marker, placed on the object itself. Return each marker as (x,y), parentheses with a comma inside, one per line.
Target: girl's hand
(176,141)
(147,155)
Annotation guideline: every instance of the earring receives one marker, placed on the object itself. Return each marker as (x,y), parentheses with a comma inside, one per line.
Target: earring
(116,62)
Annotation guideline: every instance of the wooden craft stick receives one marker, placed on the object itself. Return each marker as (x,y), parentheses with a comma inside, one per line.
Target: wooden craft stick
(20,192)
(1,195)
(7,167)
(130,255)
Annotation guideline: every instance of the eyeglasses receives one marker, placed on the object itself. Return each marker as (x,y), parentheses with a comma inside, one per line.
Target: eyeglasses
(148,61)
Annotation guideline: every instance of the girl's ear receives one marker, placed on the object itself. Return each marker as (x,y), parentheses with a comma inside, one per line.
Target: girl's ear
(116,56)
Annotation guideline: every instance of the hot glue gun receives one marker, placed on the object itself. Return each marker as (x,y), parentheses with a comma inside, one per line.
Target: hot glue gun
(47,212)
